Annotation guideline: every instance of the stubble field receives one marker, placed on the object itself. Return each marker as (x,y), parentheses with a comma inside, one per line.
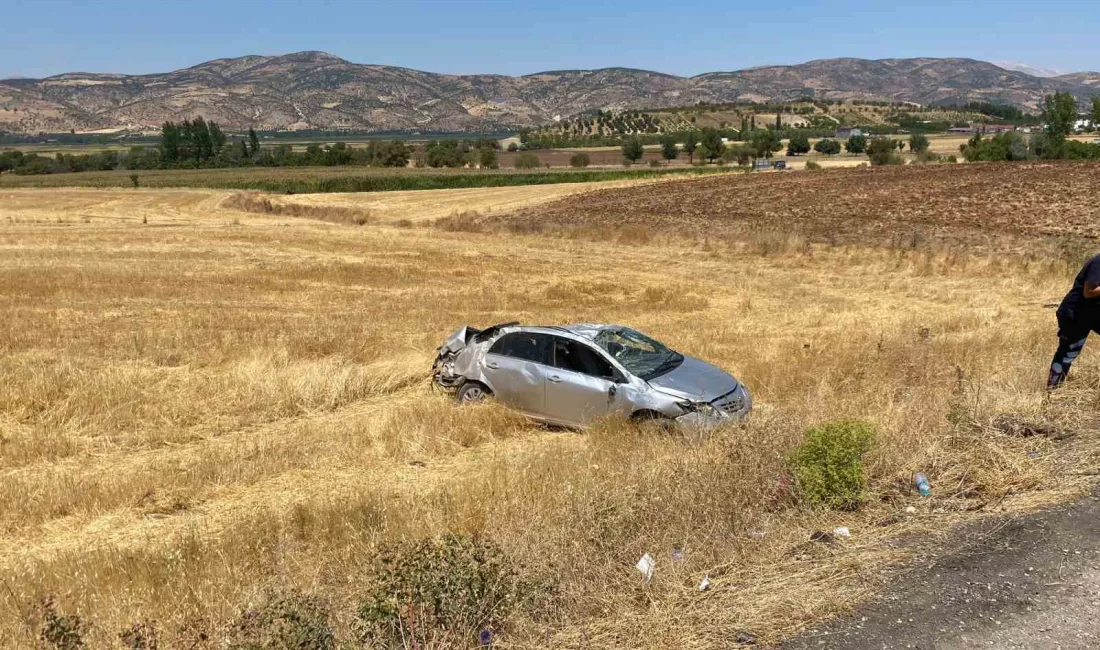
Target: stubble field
(205,408)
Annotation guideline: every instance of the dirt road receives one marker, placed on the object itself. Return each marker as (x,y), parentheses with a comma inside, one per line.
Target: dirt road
(1026,583)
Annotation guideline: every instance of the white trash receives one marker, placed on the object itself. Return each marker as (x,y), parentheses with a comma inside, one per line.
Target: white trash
(647,565)
(842,531)
(705,584)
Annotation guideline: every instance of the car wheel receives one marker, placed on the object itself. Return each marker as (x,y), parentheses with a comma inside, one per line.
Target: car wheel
(653,422)
(472,392)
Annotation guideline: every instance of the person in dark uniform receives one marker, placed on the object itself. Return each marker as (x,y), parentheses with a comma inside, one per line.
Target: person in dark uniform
(1078,315)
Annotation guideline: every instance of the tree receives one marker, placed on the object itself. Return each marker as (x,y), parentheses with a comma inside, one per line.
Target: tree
(170,143)
(691,141)
(1095,114)
(217,137)
(579,159)
(856,144)
(883,151)
(513,147)
(827,146)
(633,150)
(669,150)
(766,142)
(487,157)
(1060,115)
(799,144)
(527,160)
(711,144)
(203,143)
(187,141)
(918,143)
(742,153)
(778,121)
(253,142)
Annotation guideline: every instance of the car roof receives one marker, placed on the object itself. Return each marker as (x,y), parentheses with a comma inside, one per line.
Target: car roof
(580,330)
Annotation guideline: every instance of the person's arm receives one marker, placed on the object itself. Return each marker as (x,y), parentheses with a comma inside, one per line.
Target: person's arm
(1092,281)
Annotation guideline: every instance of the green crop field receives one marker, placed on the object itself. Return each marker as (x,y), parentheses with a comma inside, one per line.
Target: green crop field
(340,179)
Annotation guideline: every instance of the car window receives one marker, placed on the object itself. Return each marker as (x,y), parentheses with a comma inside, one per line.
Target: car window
(578,357)
(528,346)
(638,353)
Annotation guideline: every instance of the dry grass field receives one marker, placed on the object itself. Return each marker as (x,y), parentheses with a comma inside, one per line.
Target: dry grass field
(205,408)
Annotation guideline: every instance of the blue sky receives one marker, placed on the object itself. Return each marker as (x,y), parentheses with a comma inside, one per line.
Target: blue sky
(685,37)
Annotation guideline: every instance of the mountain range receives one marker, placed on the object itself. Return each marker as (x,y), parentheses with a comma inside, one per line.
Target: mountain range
(315,90)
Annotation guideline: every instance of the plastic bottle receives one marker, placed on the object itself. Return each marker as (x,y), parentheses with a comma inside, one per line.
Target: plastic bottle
(922,484)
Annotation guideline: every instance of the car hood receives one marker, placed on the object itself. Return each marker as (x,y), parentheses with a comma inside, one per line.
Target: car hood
(696,380)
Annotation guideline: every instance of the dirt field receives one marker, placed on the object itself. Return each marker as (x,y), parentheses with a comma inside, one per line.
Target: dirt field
(974,201)
(203,407)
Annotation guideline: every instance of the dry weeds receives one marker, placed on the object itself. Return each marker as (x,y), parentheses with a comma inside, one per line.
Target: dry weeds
(196,414)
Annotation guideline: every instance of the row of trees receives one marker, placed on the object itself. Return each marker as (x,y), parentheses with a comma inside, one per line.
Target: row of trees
(1060,116)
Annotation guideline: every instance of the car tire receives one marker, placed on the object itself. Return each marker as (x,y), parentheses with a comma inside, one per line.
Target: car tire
(472,392)
(653,422)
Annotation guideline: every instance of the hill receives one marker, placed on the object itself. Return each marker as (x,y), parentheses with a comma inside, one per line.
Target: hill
(320,91)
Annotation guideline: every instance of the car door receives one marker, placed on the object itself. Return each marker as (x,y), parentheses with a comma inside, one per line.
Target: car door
(580,384)
(515,368)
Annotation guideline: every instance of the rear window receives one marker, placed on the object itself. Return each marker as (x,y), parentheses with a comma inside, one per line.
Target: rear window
(522,345)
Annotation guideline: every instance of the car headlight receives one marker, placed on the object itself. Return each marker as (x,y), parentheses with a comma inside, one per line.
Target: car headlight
(689,406)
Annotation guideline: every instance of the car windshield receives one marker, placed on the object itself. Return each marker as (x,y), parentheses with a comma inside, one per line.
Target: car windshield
(638,353)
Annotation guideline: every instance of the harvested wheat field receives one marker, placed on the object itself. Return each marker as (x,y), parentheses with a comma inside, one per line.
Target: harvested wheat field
(216,428)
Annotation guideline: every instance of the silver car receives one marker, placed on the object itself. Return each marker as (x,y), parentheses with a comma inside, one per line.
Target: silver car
(572,375)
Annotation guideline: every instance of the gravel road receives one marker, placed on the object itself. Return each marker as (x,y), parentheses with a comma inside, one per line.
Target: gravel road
(1023,583)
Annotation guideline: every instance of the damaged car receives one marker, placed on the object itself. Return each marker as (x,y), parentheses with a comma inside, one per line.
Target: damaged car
(571,375)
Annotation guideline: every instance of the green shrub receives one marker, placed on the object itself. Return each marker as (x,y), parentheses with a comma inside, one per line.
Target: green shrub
(811,166)
(63,632)
(284,621)
(527,160)
(829,463)
(443,591)
(579,160)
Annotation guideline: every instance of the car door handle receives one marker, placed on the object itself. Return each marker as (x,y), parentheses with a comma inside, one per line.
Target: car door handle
(556,379)
(492,364)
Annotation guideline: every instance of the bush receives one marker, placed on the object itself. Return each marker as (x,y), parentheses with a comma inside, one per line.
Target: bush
(811,166)
(528,160)
(438,592)
(828,465)
(285,621)
(63,632)
(883,151)
(579,160)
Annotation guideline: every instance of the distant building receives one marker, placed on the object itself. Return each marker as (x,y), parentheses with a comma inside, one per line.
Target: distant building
(849,132)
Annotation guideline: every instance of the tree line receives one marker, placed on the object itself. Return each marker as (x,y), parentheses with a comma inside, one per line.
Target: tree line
(198,144)
(1060,116)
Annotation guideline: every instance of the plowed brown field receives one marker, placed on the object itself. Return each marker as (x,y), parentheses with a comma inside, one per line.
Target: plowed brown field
(1047,199)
